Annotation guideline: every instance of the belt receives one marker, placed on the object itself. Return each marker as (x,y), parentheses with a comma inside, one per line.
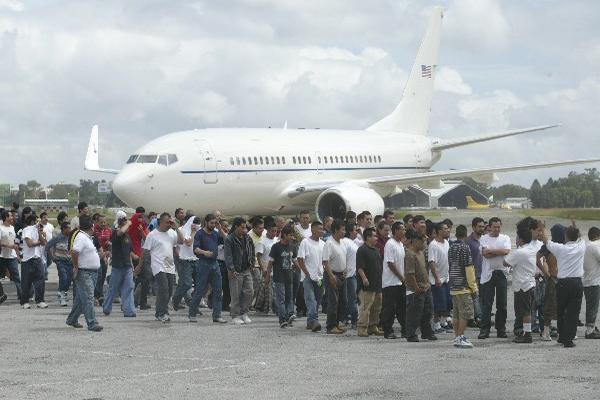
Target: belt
(88,270)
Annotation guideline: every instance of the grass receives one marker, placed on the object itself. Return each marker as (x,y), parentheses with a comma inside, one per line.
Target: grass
(582,214)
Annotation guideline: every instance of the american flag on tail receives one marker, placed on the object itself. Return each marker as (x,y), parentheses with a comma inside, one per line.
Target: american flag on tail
(426,71)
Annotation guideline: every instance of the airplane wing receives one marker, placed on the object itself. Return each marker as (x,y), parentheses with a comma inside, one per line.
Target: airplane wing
(91,159)
(443,144)
(410,179)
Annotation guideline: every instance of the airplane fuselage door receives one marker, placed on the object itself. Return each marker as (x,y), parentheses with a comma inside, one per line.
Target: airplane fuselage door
(208,161)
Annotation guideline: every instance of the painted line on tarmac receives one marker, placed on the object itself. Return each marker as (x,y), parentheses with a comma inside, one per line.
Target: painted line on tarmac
(146,375)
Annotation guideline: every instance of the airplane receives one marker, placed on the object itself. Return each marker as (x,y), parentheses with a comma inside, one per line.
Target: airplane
(474,205)
(283,171)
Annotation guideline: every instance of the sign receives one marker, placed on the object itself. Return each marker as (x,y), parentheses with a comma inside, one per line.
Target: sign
(103,187)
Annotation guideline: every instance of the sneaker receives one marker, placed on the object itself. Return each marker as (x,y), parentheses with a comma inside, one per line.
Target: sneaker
(237,321)
(246,319)
(414,339)
(501,335)
(430,337)
(26,306)
(192,319)
(525,338)
(569,344)
(63,302)
(3,298)
(96,328)
(335,331)
(439,330)
(219,320)
(341,327)
(163,318)
(546,335)
(553,332)
(316,327)
(374,330)
(457,341)
(464,343)
(41,304)
(283,324)
(203,303)
(291,319)
(75,325)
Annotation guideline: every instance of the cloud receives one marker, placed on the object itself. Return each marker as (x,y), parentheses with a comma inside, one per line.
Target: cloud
(449,80)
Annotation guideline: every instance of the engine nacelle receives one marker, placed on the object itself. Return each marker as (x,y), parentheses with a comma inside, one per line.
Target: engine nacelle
(336,201)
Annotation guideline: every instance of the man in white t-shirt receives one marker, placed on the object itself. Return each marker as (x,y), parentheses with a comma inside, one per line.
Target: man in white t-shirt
(310,260)
(439,276)
(303,226)
(48,229)
(263,249)
(523,263)
(394,290)
(591,282)
(86,263)
(494,247)
(8,250)
(335,268)
(32,268)
(160,243)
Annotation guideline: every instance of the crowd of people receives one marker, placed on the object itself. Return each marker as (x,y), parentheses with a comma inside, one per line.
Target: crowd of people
(365,272)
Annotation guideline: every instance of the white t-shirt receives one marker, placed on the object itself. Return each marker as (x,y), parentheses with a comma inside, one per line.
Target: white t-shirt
(264,249)
(49,231)
(335,253)
(351,247)
(438,253)
(306,233)
(74,223)
(32,233)
(488,265)
(160,244)
(393,252)
(591,264)
(522,260)
(88,254)
(311,252)
(7,237)
(187,252)
(569,257)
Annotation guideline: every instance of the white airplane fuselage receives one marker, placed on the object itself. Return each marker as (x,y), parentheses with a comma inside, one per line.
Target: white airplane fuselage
(247,171)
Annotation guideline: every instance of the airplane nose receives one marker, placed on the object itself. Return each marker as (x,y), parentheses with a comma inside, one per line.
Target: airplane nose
(128,187)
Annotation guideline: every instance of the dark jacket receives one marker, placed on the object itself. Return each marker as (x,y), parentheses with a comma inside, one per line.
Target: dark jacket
(234,253)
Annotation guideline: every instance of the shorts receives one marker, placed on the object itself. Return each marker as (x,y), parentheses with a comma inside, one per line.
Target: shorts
(463,308)
(524,302)
(442,301)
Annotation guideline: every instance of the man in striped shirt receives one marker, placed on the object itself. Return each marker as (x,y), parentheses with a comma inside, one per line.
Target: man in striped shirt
(462,285)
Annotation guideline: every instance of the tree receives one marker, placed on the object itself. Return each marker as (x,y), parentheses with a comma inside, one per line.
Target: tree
(535,194)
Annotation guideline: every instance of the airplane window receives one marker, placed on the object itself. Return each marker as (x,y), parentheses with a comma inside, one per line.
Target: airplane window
(261,160)
(325,158)
(319,159)
(294,160)
(331,159)
(361,159)
(272,160)
(370,159)
(266,160)
(346,158)
(162,159)
(249,160)
(278,160)
(237,160)
(283,159)
(132,158)
(351,159)
(342,159)
(244,160)
(147,159)
(231,161)
(379,158)
(172,158)
(255,160)
(303,159)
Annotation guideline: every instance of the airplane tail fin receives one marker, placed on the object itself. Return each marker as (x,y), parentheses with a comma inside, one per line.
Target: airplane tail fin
(473,205)
(91,158)
(412,114)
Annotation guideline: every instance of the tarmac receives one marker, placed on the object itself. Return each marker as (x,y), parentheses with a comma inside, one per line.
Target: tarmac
(140,358)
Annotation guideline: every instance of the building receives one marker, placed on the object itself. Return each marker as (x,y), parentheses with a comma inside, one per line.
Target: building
(450,194)
(515,202)
(52,205)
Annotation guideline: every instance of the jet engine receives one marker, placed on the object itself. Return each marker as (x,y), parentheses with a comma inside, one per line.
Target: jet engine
(336,201)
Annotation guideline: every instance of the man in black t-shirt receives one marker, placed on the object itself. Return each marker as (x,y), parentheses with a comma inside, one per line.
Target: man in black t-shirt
(370,269)
(121,278)
(282,260)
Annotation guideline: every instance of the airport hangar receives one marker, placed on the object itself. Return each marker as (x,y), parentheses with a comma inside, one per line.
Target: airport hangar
(449,194)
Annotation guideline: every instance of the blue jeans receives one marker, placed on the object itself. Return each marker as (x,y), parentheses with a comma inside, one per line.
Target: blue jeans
(207,270)
(351,304)
(32,274)
(121,281)
(186,279)
(312,297)
(282,292)
(65,274)
(12,265)
(85,283)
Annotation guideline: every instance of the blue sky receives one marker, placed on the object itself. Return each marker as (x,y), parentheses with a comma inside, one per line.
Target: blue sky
(141,69)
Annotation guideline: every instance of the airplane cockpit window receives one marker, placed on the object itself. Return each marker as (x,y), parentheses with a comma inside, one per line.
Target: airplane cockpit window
(147,159)
(172,158)
(162,159)
(132,158)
